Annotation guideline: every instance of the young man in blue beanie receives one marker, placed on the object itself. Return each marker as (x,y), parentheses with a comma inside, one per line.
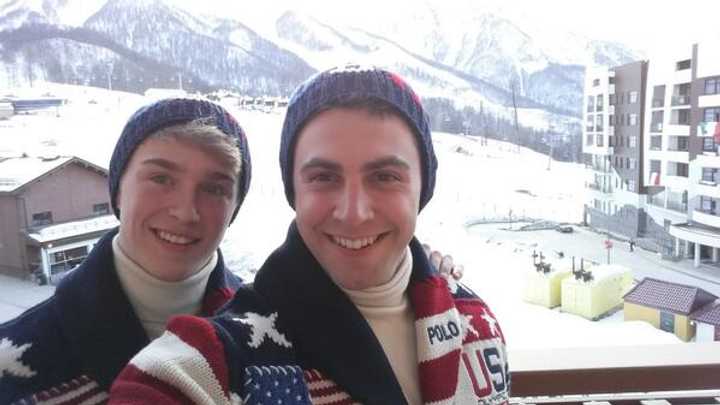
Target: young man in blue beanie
(348,310)
(179,173)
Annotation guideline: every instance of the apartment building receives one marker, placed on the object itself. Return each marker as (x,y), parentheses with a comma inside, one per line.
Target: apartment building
(612,148)
(650,144)
(52,211)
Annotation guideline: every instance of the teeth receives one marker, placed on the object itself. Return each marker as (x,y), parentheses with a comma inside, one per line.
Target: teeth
(354,244)
(172,238)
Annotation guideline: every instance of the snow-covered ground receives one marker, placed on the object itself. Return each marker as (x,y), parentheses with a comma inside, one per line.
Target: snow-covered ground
(474,181)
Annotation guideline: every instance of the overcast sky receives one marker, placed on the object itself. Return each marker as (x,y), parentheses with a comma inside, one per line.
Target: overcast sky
(642,24)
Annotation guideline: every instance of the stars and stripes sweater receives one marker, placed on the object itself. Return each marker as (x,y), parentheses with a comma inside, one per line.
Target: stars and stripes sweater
(69,348)
(295,338)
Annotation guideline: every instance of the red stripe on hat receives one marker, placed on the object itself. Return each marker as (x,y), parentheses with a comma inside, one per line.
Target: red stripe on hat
(431,297)
(133,386)
(200,334)
(399,82)
(439,377)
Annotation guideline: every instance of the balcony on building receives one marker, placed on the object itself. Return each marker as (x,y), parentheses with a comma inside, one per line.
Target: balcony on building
(708,216)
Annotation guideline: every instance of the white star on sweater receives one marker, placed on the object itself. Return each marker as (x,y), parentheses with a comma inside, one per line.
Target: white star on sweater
(10,363)
(466,326)
(263,326)
(492,323)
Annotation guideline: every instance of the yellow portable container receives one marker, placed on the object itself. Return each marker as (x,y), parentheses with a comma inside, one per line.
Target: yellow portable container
(544,288)
(593,297)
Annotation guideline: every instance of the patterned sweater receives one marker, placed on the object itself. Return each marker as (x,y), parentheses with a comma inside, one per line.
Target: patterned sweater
(69,348)
(312,346)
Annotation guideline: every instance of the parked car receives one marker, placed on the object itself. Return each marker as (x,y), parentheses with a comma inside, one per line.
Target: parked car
(564,228)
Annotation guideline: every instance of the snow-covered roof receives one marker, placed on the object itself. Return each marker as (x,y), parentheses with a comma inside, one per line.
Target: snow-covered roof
(75,228)
(710,313)
(15,172)
(602,272)
(665,295)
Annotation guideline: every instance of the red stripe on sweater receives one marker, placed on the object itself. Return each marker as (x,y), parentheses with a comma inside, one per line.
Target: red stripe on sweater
(200,334)
(430,297)
(215,299)
(482,320)
(133,386)
(439,377)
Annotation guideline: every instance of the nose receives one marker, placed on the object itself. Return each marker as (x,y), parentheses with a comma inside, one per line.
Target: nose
(184,206)
(354,204)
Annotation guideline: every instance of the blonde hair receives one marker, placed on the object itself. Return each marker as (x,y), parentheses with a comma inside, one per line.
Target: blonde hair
(203,133)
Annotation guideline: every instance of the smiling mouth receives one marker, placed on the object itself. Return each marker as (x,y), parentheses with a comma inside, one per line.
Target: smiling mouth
(173,238)
(356,243)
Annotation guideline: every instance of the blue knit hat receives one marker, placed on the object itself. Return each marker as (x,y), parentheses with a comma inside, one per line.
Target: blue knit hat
(165,113)
(350,83)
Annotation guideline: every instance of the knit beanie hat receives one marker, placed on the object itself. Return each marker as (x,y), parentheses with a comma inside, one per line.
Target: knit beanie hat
(168,112)
(346,84)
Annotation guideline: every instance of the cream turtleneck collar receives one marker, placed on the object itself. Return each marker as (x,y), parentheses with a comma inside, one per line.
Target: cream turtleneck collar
(154,300)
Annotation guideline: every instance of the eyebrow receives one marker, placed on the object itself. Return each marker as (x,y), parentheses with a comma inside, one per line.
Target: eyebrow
(320,163)
(172,166)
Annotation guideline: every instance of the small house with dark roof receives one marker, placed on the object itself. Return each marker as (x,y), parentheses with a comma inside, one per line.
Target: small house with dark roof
(666,305)
(52,211)
(707,323)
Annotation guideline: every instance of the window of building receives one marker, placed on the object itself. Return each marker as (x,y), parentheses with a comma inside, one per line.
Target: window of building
(680,117)
(633,141)
(707,204)
(621,118)
(656,121)
(599,102)
(655,166)
(596,82)
(681,94)
(683,65)
(42,218)
(589,123)
(682,169)
(710,174)
(620,98)
(656,142)
(612,99)
(101,209)
(682,143)
(632,163)
(631,185)
(633,119)
(599,122)
(712,86)
(599,140)
(658,99)
(708,144)
(589,140)
(67,259)
(632,97)
(711,114)
(591,103)
(611,119)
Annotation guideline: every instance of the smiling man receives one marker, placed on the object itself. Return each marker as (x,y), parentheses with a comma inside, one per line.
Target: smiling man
(349,309)
(179,173)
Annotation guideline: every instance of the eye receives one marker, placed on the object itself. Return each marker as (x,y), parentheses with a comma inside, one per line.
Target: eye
(215,189)
(160,179)
(386,176)
(324,177)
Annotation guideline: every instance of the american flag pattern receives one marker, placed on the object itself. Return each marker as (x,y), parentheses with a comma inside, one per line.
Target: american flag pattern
(324,391)
(82,390)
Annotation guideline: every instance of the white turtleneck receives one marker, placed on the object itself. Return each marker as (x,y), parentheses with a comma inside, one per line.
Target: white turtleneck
(387,309)
(154,300)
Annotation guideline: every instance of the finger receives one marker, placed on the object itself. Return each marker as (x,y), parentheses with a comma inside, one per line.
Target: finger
(458,272)
(435,259)
(446,266)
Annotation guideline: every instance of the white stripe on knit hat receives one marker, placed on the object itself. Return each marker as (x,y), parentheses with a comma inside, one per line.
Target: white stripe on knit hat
(99,398)
(438,335)
(181,366)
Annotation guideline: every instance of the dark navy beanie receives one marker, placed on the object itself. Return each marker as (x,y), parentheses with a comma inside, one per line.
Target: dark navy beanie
(350,83)
(165,113)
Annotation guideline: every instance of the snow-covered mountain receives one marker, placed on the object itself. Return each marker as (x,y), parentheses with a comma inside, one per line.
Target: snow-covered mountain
(464,52)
